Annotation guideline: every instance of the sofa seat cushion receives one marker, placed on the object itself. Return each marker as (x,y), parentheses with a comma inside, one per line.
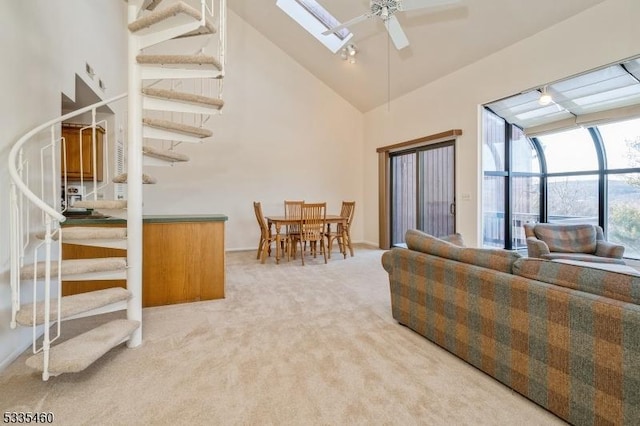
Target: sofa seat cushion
(583,257)
(567,238)
(614,285)
(496,259)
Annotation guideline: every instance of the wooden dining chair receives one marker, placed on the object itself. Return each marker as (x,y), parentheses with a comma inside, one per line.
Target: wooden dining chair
(342,233)
(264,246)
(293,210)
(312,226)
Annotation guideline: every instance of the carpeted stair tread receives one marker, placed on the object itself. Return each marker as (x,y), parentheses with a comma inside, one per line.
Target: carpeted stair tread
(78,353)
(101,204)
(77,266)
(163,154)
(176,127)
(93,233)
(146,179)
(168,12)
(183,97)
(73,305)
(197,59)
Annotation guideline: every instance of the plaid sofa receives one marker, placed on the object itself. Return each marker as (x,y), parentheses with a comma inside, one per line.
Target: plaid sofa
(583,242)
(565,336)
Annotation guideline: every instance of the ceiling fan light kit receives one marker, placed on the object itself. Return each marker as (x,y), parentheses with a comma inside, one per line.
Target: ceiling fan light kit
(386,11)
(348,53)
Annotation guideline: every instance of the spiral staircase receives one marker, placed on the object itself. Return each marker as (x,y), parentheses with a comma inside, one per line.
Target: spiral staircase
(161,115)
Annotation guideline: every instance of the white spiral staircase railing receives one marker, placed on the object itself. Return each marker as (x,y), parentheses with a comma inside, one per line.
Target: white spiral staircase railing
(173,109)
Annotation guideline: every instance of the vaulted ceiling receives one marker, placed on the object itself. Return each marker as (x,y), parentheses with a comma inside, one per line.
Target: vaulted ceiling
(442,41)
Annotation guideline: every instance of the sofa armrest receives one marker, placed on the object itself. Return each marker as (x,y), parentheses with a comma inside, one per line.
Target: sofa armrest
(536,247)
(609,249)
(387,261)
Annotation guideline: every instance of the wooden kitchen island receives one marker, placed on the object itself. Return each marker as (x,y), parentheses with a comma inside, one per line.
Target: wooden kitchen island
(183,258)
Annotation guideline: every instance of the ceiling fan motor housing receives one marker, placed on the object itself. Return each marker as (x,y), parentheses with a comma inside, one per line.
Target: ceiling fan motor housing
(384,8)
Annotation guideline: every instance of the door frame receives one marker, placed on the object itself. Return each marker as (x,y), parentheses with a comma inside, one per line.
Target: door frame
(384,181)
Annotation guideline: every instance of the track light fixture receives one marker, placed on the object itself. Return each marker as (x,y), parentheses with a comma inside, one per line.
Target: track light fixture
(348,53)
(545,97)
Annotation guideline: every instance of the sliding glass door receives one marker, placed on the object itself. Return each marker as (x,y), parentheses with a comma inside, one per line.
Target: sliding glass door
(422,191)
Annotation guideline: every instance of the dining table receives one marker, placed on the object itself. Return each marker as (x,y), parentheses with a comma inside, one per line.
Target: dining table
(278,221)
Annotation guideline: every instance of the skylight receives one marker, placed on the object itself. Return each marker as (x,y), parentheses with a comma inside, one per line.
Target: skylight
(315,19)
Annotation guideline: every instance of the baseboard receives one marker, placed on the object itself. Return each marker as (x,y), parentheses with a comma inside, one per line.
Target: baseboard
(241,249)
(369,244)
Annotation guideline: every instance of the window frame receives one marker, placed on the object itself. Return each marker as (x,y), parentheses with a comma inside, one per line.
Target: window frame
(603,173)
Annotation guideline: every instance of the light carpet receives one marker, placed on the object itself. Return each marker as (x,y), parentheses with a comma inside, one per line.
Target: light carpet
(289,345)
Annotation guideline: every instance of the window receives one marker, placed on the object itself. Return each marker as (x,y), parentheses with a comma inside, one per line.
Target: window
(525,192)
(622,144)
(574,160)
(585,175)
(560,151)
(572,199)
(624,212)
(493,149)
(495,178)
(315,19)
(493,202)
(524,155)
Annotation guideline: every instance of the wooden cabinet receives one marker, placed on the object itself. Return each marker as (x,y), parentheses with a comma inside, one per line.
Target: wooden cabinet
(183,260)
(77,138)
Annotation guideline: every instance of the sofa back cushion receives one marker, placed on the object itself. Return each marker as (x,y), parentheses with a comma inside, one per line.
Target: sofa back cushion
(614,285)
(455,239)
(496,259)
(567,238)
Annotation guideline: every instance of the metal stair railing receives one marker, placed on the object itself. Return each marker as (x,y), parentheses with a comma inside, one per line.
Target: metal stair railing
(22,200)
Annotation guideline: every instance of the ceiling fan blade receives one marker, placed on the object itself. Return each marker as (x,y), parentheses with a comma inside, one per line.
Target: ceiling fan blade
(421,4)
(348,23)
(396,33)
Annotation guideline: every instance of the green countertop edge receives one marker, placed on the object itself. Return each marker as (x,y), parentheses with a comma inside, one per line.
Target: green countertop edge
(151,219)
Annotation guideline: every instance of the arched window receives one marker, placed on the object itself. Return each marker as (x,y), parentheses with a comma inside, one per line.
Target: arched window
(572,177)
(585,175)
(571,156)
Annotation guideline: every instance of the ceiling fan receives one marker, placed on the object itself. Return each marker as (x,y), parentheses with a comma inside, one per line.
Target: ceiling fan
(386,10)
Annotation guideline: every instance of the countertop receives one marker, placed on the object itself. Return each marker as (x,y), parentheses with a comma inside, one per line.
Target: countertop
(88,220)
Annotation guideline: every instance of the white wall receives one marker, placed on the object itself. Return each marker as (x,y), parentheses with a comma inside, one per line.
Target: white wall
(44,43)
(283,135)
(604,34)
